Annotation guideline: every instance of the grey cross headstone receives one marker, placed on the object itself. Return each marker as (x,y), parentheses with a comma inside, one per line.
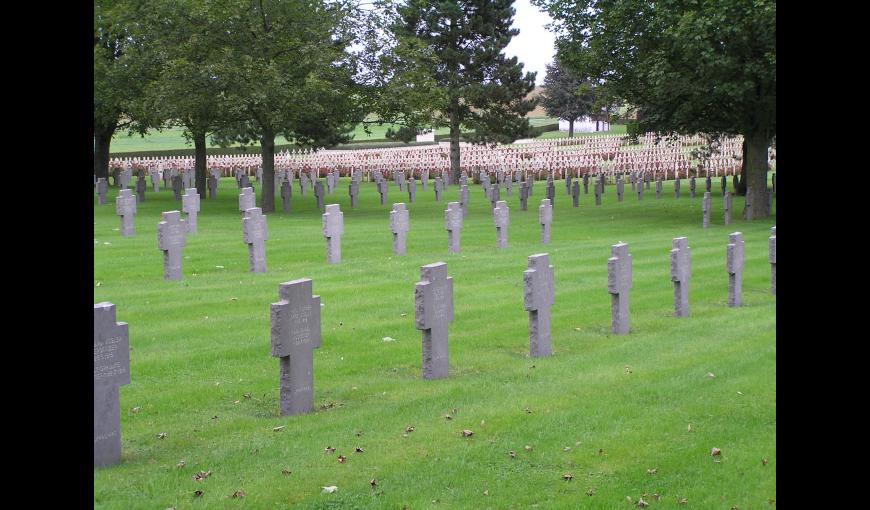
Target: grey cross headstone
(412,190)
(538,297)
(724,184)
(177,186)
(318,194)
(353,191)
(501,215)
(116,176)
(125,207)
(329,182)
(286,194)
(705,209)
(255,231)
(125,177)
(709,183)
(568,184)
(140,188)
(618,284)
(692,187)
(295,331)
(244,181)
(551,192)
(575,193)
(190,205)
(155,179)
(524,195)
(735,182)
(438,189)
(639,189)
(453,225)
(647,180)
(545,218)
(259,175)
(494,196)
(632,177)
(463,199)
(659,187)
(333,228)
(102,189)
(423,178)
(303,182)
(382,189)
(171,238)
(247,200)
(399,226)
(727,205)
(598,190)
(212,186)
(677,188)
(433,305)
(734,265)
(681,270)
(111,371)
(620,188)
(771,248)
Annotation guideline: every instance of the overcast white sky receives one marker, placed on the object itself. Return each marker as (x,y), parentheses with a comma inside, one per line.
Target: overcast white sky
(534,46)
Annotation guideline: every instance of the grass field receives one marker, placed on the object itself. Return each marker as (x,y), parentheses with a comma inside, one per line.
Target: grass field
(172,138)
(627,416)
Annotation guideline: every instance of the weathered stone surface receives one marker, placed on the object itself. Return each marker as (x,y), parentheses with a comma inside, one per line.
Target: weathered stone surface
(681,270)
(126,175)
(303,182)
(453,225)
(639,189)
(538,297)
(424,178)
(399,225)
(155,179)
(244,181)
(620,188)
(111,370)
(412,190)
(463,199)
(619,284)
(727,206)
(659,187)
(734,265)
(295,331)
(383,189)
(677,188)
(705,209)
(598,191)
(177,186)
(545,218)
(647,179)
(102,189)
(709,183)
(632,177)
(551,191)
(501,215)
(524,195)
(771,248)
(433,312)
(255,231)
(140,188)
(353,191)
(171,238)
(247,200)
(692,186)
(724,185)
(333,228)
(212,183)
(286,194)
(509,187)
(494,196)
(319,193)
(190,205)
(586,184)
(438,189)
(125,207)
(575,193)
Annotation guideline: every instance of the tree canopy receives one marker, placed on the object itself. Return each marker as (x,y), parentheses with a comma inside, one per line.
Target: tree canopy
(563,96)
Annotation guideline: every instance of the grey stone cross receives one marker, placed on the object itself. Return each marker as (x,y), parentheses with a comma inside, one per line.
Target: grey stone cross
(724,184)
(295,332)
(632,177)
(545,218)
(551,192)
(734,265)
(382,189)
(438,189)
(433,307)
(727,205)
(102,189)
(709,183)
(318,193)
(190,205)
(412,190)
(620,188)
(501,215)
(303,182)
(494,196)
(111,371)
(681,270)
(705,209)
(247,200)
(212,183)
(639,189)
(692,186)
(286,194)
(177,186)
(424,177)
(677,187)
(659,187)
(399,226)
(771,248)
(140,189)
(463,199)
(155,179)
(171,238)
(619,284)
(333,227)
(255,231)
(575,193)
(524,195)
(538,297)
(353,191)
(125,207)
(453,225)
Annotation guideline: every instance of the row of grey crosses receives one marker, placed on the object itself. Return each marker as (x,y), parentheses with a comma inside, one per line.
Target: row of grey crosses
(295,327)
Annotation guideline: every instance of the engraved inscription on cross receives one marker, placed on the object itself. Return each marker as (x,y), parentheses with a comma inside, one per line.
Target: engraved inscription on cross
(247,200)
(333,227)
(125,206)
(190,205)
(681,270)
(618,284)
(453,225)
(295,331)
(433,305)
(538,297)
(111,370)
(171,238)
(399,227)
(255,231)
(501,215)
(545,218)
(734,265)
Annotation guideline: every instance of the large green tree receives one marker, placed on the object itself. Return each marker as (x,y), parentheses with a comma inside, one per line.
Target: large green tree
(286,71)
(450,56)
(687,66)
(566,96)
(123,65)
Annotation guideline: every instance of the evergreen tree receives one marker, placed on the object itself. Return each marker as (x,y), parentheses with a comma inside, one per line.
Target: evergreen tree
(563,97)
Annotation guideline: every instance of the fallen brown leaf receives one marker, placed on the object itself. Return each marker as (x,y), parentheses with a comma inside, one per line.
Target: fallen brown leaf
(373,482)
(239,494)
(590,492)
(715,451)
(409,429)
(329,449)
(764,462)
(342,459)
(201,475)
(512,454)
(286,471)
(568,477)
(467,433)
(197,493)
(652,471)
(683,501)
(279,428)
(180,464)
(161,435)
(358,450)
(641,503)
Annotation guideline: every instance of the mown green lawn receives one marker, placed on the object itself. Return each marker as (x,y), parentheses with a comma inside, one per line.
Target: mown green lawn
(612,411)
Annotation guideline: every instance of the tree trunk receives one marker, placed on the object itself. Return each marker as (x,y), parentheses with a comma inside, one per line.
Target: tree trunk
(454,148)
(267,150)
(755,176)
(200,162)
(571,128)
(102,140)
